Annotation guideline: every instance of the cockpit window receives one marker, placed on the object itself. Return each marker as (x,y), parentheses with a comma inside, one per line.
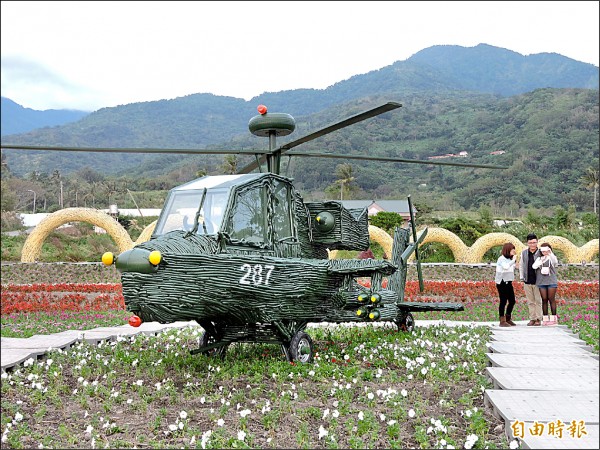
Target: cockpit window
(181,207)
(247,223)
(282,221)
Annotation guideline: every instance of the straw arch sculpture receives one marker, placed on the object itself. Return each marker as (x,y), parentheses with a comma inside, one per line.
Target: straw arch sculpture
(33,245)
(474,254)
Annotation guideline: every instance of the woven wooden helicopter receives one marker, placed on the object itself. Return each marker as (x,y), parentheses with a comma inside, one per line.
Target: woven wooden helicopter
(246,258)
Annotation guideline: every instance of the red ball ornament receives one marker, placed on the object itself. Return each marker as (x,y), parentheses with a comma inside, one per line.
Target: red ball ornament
(135,321)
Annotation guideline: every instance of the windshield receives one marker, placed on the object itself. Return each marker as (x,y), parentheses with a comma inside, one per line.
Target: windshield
(181,207)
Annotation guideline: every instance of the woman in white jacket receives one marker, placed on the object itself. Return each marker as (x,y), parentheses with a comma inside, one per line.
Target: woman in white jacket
(505,275)
(546,278)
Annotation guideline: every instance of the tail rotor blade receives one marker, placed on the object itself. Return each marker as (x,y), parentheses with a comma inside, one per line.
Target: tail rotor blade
(414,233)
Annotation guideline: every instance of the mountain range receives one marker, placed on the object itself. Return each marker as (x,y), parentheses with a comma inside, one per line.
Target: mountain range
(479,100)
(17,119)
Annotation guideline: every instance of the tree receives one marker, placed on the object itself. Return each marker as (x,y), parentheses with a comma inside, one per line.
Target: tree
(590,179)
(8,199)
(387,220)
(4,170)
(89,175)
(564,218)
(345,176)
(56,179)
(485,213)
(109,186)
(230,164)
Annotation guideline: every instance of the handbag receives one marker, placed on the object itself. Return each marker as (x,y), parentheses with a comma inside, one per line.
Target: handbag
(550,320)
(545,270)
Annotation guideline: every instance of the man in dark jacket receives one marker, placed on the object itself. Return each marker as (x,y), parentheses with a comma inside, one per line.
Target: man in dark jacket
(527,275)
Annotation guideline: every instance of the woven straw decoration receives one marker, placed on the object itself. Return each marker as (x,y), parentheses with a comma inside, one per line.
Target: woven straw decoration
(33,245)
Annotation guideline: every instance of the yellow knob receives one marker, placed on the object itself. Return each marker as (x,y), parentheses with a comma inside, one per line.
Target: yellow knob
(108,258)
(154,257)
(375,298)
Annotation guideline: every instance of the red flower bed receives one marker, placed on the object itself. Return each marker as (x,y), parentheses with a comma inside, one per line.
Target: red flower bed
(469,290)
(63,287)
(62,296)
(99,297)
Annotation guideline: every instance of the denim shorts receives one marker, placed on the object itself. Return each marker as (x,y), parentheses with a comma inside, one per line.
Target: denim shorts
(547,286)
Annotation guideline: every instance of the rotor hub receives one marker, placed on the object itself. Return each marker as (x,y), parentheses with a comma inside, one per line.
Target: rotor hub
(267,124)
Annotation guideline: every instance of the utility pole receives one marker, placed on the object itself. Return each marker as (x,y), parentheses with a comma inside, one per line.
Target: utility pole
(61,194)
(34,196)
(135,203)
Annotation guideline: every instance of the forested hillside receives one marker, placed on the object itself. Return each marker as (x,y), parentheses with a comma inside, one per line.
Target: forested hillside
(491,104)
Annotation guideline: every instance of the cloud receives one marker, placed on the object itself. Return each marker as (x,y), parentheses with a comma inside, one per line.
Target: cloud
(35,85)
(101,54)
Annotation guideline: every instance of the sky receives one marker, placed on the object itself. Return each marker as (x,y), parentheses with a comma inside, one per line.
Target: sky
(89,55)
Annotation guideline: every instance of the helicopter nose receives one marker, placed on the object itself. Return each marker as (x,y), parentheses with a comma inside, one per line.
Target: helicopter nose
(137,260)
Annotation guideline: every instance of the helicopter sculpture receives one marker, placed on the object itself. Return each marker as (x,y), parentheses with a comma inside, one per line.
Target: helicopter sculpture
(246,258)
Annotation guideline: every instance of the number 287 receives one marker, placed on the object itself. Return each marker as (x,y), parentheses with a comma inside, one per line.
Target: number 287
(256,275)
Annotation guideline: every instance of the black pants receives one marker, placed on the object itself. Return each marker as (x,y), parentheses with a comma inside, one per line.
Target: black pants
(507,294)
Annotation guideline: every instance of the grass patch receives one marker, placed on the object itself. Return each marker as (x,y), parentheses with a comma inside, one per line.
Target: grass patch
(382,396)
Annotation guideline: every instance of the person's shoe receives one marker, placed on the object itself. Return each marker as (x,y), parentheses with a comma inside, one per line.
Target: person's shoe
(538,323)
(509,321)
(531,323)
(503,322)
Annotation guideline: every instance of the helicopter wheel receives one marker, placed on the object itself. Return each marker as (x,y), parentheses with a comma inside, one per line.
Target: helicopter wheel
(301,348)
(207,339)
(406,323)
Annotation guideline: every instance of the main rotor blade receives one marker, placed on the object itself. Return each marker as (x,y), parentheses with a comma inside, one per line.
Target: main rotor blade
(323,131)
(400,160)
(189,151)
(339,125)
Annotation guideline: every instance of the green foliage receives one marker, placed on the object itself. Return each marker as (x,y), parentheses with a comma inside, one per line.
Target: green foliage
(435,252)
(589,219)
(230,164)
(485,212)
(12,247)
(534,220)
(492,255)
(387,221)
(423,208)
(563,218)
(8,199)
(137,225)
(467,229)
(344,187)
(11,221)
